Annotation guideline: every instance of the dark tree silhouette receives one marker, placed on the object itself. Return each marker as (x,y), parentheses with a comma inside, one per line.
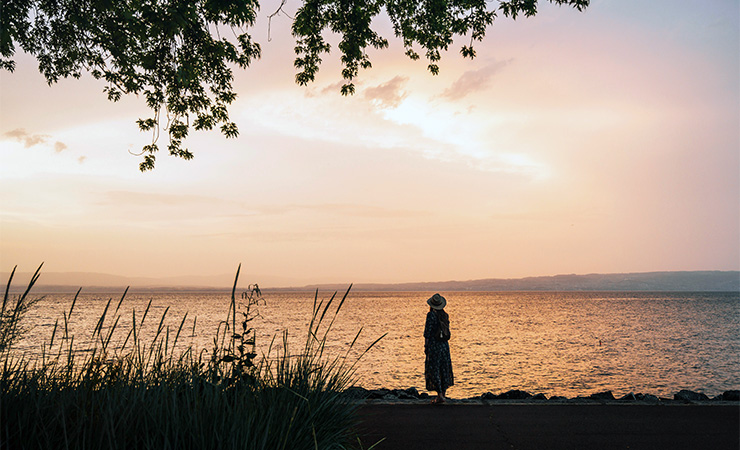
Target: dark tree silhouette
(179,54)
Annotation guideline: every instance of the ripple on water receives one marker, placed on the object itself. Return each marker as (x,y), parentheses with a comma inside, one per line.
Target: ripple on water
(566,344)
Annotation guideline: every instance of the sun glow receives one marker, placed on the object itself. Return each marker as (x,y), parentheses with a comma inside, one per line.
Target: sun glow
(600,142)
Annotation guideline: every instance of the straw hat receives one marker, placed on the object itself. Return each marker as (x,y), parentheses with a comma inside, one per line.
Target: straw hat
(436,301)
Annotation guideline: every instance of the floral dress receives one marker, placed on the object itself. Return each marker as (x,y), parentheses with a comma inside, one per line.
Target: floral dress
(438,364)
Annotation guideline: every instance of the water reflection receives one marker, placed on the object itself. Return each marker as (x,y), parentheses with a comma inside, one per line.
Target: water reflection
(556,343)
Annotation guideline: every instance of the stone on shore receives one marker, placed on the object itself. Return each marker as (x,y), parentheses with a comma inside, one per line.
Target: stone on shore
(394,395)
(406,394)
(647,398)
(514,394)
(606,395)
(359,393)
(356,393)
(379,393)
(690,396)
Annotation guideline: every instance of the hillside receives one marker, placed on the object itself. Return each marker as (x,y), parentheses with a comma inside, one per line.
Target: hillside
(647,281)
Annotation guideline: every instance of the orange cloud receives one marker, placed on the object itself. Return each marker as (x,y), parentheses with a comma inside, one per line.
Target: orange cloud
(28,140)
(473,80)
(31,140)
(388,94)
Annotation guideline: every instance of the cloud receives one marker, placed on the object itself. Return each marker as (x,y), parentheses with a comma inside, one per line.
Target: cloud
(388,94)
(81,159)
(312,91)
(155,199)
(164,207)
(340,209)
(473,80)
(367,211)
(31,140)
(334,88)
(28,140)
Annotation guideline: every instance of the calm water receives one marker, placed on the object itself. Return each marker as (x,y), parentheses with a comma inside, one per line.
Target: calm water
(566,344)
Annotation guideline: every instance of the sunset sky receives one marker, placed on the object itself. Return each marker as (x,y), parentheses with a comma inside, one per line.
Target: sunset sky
(595,142)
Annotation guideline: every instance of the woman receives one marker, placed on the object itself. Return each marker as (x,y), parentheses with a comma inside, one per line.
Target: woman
(438,365)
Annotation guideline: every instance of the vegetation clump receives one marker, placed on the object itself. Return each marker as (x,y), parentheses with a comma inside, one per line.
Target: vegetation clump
(12,311)
(125,393)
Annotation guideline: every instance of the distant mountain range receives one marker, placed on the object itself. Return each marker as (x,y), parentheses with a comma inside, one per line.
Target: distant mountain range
(728,281)
(719,281)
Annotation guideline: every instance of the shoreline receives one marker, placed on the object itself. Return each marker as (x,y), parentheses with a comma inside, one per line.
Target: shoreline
(411,396)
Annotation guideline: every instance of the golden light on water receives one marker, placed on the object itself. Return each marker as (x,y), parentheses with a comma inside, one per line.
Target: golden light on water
(566,344)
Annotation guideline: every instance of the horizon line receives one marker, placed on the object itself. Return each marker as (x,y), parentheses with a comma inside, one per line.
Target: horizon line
(165,283)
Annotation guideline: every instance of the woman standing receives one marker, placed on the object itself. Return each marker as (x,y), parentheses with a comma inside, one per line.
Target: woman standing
(438,364)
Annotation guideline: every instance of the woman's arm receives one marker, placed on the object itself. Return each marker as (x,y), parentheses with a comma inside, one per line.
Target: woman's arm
(429,326)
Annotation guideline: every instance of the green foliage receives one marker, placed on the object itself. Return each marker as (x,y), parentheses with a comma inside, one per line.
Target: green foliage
(171,53)
(174,55)
(124,393)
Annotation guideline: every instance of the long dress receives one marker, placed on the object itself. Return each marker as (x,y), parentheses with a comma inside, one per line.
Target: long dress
(438,364)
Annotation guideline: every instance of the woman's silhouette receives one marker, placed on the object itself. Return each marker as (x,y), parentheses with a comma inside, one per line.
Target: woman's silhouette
(438,365)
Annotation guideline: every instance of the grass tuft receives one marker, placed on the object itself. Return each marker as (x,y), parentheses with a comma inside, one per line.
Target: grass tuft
(125,393)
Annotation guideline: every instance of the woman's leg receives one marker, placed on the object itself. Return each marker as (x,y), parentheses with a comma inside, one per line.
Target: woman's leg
(439,398)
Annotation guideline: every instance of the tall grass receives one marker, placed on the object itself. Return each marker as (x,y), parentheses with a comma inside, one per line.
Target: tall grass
(130,394)
(12,311)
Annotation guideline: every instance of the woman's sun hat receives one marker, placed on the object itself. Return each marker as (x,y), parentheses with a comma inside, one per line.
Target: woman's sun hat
(436,301)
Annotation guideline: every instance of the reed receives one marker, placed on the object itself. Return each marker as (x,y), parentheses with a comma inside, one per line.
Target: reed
(125,393)
(12,311)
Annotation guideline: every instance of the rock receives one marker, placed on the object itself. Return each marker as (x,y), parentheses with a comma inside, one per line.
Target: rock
(606,395)
(514,394)
(403,394)
(731,396)
(558,398)
(412,391)
(356,392)
(359,393)
(690,396)
(539,396)
(628,398)
(488,396)
(647,398)
(378,393)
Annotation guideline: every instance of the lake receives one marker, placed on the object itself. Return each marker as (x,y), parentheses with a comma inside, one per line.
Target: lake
(556,343)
